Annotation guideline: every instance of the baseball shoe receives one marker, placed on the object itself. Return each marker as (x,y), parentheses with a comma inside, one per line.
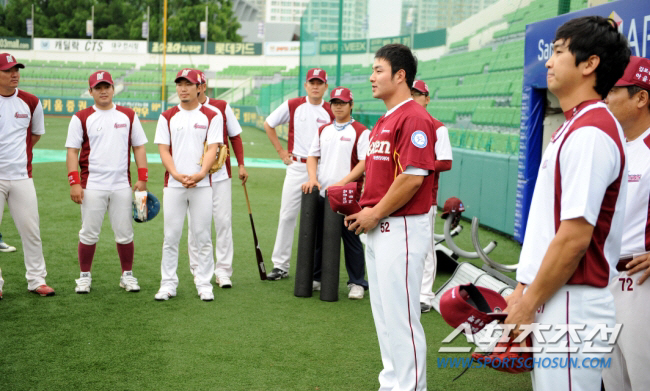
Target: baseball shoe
(277,274)
(224,282)
(356,292)
(424,307)
(315,286)
(43,290)
(5,248)
(206,296)
(83,283)
(0,295)
(164,295)
(128,282)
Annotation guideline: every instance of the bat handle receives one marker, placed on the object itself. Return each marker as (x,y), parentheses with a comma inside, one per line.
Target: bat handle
(248,203)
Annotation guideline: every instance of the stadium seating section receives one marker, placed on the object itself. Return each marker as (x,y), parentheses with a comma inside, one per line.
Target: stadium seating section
(477,94)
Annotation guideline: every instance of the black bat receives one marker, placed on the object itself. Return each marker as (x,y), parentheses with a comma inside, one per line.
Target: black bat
(258,252)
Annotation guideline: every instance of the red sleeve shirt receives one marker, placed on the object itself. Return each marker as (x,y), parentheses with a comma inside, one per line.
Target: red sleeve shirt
(404,137)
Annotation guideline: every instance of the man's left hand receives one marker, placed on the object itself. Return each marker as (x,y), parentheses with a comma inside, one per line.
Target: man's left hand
(640,263)
(140,186)
(363,221)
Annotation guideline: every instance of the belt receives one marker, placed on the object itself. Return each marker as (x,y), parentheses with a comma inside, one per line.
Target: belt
(299,159)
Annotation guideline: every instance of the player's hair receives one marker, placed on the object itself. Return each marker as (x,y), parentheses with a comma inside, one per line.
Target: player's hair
(595,35)
(633,90)
(399,57)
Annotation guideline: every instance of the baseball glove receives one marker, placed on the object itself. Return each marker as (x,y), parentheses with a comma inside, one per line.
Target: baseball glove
(145,206)
(222,155)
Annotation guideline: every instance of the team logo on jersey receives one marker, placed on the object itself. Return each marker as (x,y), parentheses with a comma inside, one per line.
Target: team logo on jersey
(379,147)
(197,126)
(634,178)
(18,115)
(321,121)
(419,139)
(117,126)
(343,138)
(385,130)
(544,164)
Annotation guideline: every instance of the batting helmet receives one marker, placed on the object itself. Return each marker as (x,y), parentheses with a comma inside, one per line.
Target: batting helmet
(471,304)
(153,207)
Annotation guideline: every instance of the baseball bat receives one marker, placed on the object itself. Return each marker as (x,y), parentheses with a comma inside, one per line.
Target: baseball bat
(258,252)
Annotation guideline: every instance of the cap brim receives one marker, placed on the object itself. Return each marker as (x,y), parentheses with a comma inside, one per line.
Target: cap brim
(9,66)
(419,90)
(185,78)
(319,78)
(99,82)
(342,100)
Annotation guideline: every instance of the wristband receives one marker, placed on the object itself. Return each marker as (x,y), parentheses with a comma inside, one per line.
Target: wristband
(73,177)
(143,174)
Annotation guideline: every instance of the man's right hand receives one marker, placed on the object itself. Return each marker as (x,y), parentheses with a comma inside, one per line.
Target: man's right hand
(309,185)
(285,156)
(76,193)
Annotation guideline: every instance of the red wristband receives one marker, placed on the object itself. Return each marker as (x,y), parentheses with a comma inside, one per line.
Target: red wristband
(143,174)
(73,177)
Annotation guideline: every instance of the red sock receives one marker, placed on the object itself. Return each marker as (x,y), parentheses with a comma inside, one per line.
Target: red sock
(125,251)
(86,253)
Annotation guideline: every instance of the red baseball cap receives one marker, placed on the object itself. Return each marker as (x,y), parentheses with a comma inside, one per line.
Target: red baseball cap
(420,86)
(202,78)
(191,75)
(475,305)
(452,205)
(344,199)
(317,73)
(637,73)
(100,77)
(341,93)
(7,61)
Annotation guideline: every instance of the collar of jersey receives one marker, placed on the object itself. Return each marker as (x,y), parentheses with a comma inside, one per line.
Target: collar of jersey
(640,139)
(391,111)
(189,111)
(572,112)
(12,95)
(100,110)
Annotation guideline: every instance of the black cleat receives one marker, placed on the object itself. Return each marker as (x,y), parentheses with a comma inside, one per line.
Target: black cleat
(277,274)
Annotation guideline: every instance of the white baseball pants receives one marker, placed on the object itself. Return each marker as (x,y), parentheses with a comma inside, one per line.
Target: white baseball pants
(118,203)
(289,209)
(176,203)
(430,263)
(23,206)
(629,369)
(395,252)
(575,305)
(222,214)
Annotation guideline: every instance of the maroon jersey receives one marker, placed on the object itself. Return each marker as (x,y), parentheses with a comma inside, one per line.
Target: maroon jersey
(404,137)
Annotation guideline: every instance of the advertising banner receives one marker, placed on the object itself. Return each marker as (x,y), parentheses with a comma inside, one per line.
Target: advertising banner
(89,45)
(15,43)
(219,48)
(69,106)
(288,48)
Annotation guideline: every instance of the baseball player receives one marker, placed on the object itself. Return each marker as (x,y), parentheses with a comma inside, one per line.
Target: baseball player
(305,115)
(341,147)
(573,234)
(629,101)
(21,127)
(395,201)
(221,192)
(4,247)
(99,142)
(420,94)
(180,135)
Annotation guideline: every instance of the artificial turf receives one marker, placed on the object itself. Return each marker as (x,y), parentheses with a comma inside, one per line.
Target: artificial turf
(255,336)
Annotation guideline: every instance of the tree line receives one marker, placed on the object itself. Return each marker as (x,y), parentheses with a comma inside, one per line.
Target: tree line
(120,19)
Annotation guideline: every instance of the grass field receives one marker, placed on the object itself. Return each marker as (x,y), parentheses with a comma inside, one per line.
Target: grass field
(255,336)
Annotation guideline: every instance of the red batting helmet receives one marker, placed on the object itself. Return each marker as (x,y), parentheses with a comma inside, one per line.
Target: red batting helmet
(452,205)
(471,304)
